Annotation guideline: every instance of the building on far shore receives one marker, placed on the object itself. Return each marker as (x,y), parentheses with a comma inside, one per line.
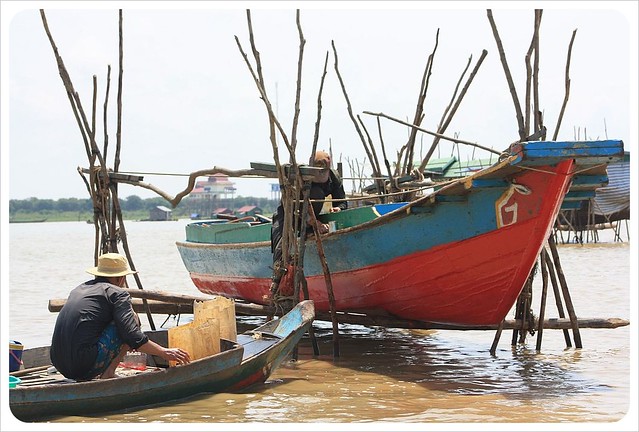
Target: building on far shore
(214,192)
(248,210)
(160,213)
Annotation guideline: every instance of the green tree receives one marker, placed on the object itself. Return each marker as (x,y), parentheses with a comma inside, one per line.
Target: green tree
(73,204)
(132,203)
(44,204)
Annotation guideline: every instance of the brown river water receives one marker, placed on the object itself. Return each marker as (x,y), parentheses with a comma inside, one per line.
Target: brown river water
(385,379)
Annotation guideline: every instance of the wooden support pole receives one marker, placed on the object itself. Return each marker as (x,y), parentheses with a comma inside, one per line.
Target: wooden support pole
(300,279)
(166,300)
(557,294)
(493,347)
(526,318)
(522,309)
(566,293)
(329,283)
(542,307)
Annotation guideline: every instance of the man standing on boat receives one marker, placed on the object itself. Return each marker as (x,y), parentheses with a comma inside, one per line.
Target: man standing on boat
(328,183)
(97,325)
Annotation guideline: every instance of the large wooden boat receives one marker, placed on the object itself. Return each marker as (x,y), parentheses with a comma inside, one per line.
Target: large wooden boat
(458,255)
(41,394)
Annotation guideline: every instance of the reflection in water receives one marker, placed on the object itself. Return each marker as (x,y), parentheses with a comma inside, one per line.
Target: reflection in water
(438,365)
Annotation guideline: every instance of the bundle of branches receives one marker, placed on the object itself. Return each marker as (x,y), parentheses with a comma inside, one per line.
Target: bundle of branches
(295,189)
(107,214)
(403,180)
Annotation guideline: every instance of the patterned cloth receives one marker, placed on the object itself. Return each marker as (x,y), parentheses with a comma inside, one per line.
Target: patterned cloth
(109,346)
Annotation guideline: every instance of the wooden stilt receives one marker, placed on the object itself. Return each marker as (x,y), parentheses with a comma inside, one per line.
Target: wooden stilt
(493,347)
(329,283)
(557,294)
(526,312)
(542,307)
(300,279)
(522,309)
(311,332)
(107,214)
(564,288)
(518,315)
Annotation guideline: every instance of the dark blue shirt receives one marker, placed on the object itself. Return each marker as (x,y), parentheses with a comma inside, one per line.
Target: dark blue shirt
(88,310)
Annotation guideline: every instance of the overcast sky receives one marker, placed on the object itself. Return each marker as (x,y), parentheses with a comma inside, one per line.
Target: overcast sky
(190,103)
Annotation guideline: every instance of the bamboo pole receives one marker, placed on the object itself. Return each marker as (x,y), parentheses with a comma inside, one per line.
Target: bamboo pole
(293,229)
(526,311)
(392,186)
(300,279)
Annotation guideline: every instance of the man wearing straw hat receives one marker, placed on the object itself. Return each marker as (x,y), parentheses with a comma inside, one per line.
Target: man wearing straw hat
(97,325)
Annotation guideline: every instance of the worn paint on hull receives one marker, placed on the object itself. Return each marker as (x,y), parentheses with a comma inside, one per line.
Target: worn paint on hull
(463,262)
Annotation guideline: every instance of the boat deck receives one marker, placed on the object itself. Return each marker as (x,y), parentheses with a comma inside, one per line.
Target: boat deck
(51,376)
(256,343)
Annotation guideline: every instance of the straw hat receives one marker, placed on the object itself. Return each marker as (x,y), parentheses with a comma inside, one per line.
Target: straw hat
(111,265)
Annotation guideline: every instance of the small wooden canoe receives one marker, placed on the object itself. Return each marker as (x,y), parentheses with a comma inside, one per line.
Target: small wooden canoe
(43,393)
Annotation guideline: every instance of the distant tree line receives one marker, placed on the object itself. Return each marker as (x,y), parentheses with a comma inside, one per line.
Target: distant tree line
(130,204)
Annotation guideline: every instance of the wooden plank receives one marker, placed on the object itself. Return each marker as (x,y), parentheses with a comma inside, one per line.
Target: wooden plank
(157,307)
(250,309)
(160,307)
(551,323)
(308,172)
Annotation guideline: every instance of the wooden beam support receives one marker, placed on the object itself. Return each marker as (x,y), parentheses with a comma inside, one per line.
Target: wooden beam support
(247,309)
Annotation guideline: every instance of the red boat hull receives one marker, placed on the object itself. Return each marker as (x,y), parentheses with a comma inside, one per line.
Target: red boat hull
(474,281)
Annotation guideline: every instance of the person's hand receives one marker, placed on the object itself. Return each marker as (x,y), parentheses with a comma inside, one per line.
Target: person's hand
(322,228)
(334,209)
(178,355)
